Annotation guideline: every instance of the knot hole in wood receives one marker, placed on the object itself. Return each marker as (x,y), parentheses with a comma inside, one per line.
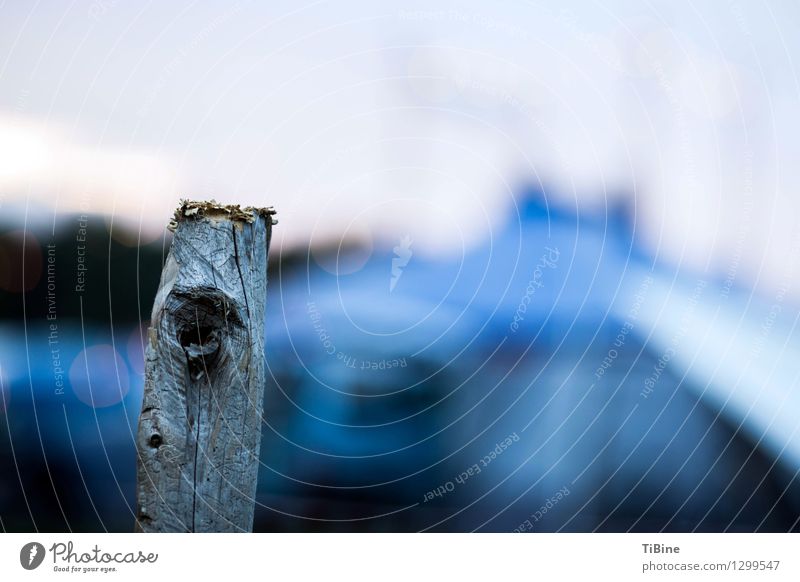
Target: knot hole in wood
(207,327)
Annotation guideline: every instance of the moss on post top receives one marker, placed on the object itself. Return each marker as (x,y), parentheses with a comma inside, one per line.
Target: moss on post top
(212,209)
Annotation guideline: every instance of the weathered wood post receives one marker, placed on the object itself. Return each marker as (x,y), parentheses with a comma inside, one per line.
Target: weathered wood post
(200,426)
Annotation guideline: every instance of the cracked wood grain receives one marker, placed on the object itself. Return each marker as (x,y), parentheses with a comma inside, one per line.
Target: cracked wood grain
(200,427)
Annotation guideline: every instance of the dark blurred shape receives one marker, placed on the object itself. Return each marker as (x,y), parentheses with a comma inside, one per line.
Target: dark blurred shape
(119,281)
(20,261)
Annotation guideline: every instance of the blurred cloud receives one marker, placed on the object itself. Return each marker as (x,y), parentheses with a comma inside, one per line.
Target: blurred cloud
(39,162)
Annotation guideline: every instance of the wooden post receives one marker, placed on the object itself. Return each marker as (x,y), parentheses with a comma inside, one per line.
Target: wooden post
(200,426)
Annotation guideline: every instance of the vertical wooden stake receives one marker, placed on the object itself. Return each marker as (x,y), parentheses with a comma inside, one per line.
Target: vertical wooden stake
(200,426)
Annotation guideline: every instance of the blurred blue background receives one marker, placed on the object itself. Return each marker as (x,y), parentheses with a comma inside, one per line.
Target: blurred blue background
(535,268)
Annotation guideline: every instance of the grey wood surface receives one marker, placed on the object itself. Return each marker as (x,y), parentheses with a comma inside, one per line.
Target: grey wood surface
(200,426)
